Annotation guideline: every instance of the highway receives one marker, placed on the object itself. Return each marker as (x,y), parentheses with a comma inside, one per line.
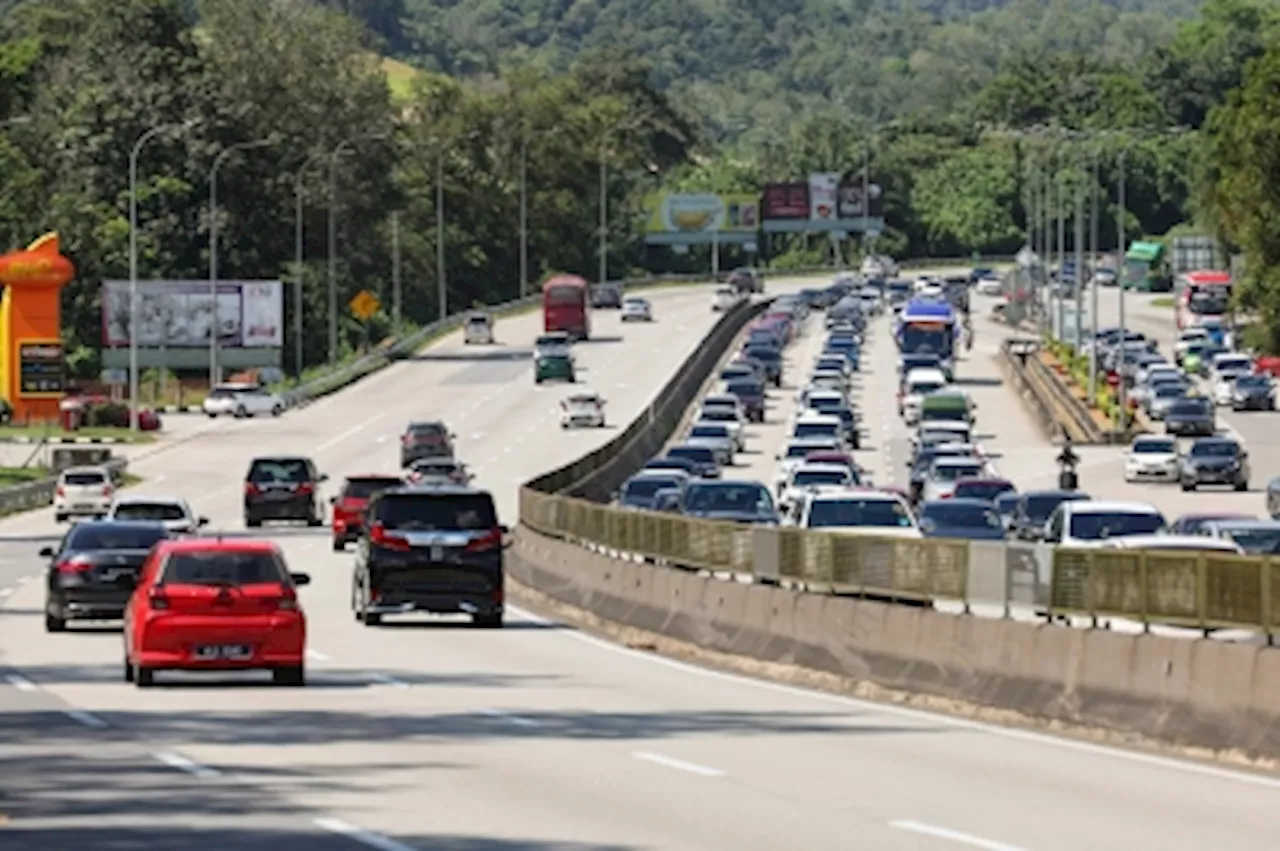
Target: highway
(431,736)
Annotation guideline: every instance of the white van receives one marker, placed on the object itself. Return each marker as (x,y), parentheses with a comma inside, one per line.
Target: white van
(918,383)
(1090,523)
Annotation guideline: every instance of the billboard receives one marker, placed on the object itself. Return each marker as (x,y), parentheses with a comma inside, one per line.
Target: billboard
(180,314)
(696,219)
(823,189)
(850,203)
(785,202)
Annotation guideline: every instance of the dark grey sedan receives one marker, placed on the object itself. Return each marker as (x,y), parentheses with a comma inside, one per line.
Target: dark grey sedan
(1192,417)
(1215,461)
(1253,393)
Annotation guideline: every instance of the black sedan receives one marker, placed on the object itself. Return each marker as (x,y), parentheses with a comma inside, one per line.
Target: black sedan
(1215,461)
(1253,393)
(93,571)
(1191,417)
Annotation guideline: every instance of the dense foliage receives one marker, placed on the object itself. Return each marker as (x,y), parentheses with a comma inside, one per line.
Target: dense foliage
(88,77)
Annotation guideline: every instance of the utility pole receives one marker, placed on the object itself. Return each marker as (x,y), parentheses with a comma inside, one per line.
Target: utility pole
(1093,288)
(442,287)
(604,214)
(1078,248)
(1062,249)
(396,295)
(524,217)
(1121,236)
(333,250)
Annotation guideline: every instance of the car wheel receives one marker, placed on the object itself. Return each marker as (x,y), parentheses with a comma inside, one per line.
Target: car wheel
(252,522)
(128,670)
(339,545)
(294,675)
(143,676)
(315,521)
(491,620)
(277,410)
(53,623)
(241,413)
(371,618)
(1188,486)
(1242,485)
(59,518)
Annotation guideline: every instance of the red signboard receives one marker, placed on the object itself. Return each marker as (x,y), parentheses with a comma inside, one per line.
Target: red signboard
(785,201)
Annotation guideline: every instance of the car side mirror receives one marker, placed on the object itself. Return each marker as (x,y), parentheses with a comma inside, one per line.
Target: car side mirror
(46,552)
(323,477)
(333,500)
(202,521)
(505,529)
(300,578)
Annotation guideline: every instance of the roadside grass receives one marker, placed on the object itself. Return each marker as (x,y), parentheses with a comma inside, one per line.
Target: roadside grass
(37,432)
(1162,301)
(10,476)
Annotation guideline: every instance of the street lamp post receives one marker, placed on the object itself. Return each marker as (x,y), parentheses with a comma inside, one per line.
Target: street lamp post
(1121,227)
(1093,289)
(442,285)
(604,214)
(524,217)
(214,371)
(298,259)
(333,248)
(133,260)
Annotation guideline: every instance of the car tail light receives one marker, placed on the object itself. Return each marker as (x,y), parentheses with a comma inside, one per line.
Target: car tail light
(107,490)
(379,535)
(407,439)
(157,599)
(288,601)
(61,491)
(250,489)
(305,487)
(488,541)
(73,566)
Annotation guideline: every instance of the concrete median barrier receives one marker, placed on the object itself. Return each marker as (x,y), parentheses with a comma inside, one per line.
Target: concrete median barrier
(1211,695)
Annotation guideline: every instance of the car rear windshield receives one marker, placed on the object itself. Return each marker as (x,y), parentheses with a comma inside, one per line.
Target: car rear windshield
(1114,524)
(1258,541)
(279,470)
(113,536)
(363,488)
(149,511)
(747,498)
(746,388)
(708,431)
(700,454)
(763,354)
(982,490)
(858,512)
(222,567)
(719,413)
(806,478)
(437,512)
(565,296)
(426,430)
(815,430)
(1214,449)
(962,516)
(83,479)
(645,488)
(1040,507)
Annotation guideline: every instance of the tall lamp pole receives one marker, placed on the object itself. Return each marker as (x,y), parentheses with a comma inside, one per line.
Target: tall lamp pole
(214,325)
(133,259)
(333,248)
(524,217)
(442,286)
(1121,236)
(299,258)
(604,214)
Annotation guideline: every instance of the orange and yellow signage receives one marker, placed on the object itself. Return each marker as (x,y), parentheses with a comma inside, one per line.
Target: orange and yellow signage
(32,366)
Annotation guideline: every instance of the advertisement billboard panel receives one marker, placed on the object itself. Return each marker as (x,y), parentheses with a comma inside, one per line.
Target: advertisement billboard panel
(823,191)
(785,202)
(851,204)
(676,219)
(180,314)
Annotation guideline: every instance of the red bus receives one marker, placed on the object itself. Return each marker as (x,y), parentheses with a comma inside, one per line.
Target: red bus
(1202,297)
(565,306)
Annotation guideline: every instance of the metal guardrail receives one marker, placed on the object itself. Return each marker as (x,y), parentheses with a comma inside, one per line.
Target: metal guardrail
(1051,396)
(39,494)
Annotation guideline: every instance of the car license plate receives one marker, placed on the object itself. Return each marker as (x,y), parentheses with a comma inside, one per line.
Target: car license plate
(83,506)
(222,651)
(437,553)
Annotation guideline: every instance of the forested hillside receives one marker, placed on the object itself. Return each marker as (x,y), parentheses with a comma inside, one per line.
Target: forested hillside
(759,64)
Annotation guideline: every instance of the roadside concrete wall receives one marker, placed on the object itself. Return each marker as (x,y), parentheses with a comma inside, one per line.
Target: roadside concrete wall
(1204,694)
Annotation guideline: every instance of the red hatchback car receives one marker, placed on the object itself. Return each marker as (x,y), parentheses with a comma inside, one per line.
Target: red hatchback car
(209,604)
(349,505)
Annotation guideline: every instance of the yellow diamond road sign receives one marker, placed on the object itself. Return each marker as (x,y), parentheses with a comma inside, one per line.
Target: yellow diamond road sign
(364,305)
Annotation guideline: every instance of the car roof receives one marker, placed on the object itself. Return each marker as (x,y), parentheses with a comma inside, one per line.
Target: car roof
(86,469)
(809,415)
(956,461)
(216,543)
(1154,438)
(414,489)
(277,458)
(154,499)
(858,494)
(1217,438)
(984,480)
(926,373)
(1244,523)
(1100,506)
(666,473)
(821,467)
(1172,542)
(149,525)
(968,501)
(379,476)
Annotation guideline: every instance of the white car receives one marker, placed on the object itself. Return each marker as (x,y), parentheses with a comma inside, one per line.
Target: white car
(940,481)
(478,330)
(172,511)
(873,267)
(860,513)
(811,478)
(582,410)
(637,310)
(1194,543)
(439,471)
(1227,367)
(829,379)
(812,423)
(83,492)
(715,435)
(1152,457)
(242,400)
(725,298)
(1090,523)
(795,454)
(919,383)
(730,418)
(989,286)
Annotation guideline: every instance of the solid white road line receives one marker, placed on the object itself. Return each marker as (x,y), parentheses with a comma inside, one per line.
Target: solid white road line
(953,836)
(1162,762)
(180,762)
(510,718)
(334,441)
(359,834)
(21,683)
(678,764)
(5,592)
(86,718)
(388,681)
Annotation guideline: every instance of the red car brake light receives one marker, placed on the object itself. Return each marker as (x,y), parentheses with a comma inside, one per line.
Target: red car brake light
(306,487)
(382,538)
(288,601)
(488,541)
(61,491)
(250,489)
(157,599)
(107,490)
(74,566)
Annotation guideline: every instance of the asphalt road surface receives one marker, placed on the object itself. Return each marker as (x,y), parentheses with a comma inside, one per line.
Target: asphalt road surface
(431,735)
